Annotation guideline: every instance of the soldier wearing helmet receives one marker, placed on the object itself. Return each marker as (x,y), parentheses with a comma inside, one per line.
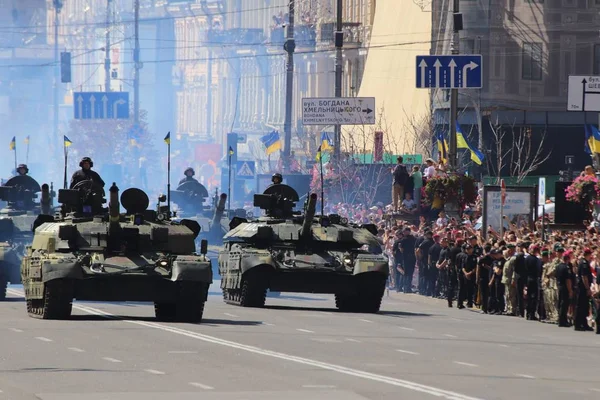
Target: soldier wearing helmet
(189,173)
(86,173)
(22,169)
(277,178)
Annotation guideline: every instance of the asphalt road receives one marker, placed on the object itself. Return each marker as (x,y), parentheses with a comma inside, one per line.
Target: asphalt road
(299,347)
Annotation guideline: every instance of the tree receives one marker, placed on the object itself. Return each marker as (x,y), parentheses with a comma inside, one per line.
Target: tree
(522,155)
(420,134)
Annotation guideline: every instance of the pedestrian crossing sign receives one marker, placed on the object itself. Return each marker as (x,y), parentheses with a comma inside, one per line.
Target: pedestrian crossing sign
(246,170)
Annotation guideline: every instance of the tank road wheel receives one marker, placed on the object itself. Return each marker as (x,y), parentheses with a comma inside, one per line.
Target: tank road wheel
(188,307)
(57,302)
(254,288)
(3,286)
(371,291)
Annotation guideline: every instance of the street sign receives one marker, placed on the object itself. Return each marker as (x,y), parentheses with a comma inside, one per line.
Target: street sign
(245,169)
(569,160)
(101,105)
(242,138)
(584,93)
(449,72)
(338,111)
(542,191)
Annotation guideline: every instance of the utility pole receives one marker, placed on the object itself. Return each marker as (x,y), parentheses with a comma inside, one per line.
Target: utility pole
(454,47)
(107,49)
(136,65)
(339,43)
(209,78)
(57,7)
(289,47)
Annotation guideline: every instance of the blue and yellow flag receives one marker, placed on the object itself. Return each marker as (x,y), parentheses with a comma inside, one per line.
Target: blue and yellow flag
(13,143)
(318,157)
(230,151)
(272,142)
(442,146)
(592,139)
(167,138)
(326,142)
(461,143)
(66,141)
(27,140)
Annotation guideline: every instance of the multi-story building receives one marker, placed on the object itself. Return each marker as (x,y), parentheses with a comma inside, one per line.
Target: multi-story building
(529,49)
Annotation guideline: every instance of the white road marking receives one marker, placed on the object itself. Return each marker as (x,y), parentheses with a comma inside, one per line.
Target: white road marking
(114,360)
(268,324)
(201,386)
(76,349)
(319,386)
(526,376)
(465,363)
(231,315)
(353,340)
(16,330)
(432,390)
(407,352)
(155,372)
(43,339)
(504,345)
(326,340)
(379,365)
(406,329)
(595,390)
(182,352)
(305,330)
(450,336)
(366,320)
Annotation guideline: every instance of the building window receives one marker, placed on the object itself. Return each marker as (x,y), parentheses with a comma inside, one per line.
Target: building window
(532,61)
(596,67)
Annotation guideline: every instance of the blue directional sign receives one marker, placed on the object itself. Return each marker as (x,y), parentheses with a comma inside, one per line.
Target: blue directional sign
(245,169)
(101,105)
(449,72)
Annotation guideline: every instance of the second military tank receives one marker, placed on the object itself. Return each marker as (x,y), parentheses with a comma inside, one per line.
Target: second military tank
(93,253)
(298,251)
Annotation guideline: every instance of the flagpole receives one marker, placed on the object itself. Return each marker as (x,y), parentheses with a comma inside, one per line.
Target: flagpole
(27,155)
(66,152)
(229,188)
(322,184)
(15,157)
(169,174)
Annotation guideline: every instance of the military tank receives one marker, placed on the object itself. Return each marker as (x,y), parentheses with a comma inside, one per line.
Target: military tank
(89,252)
(298,251)
(16,220)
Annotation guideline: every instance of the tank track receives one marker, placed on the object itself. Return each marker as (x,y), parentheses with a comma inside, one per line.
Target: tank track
(3,286)
(57,302)
(188,306)
(252,294)
(367,297)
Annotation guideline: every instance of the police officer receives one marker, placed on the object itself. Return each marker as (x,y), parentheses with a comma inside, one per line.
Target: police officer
(467,271)
(22,169)
(533,272)
(483,275)
(585,277)
(496,301)
(454,257)
(564,279)
(86,173)
(189,173)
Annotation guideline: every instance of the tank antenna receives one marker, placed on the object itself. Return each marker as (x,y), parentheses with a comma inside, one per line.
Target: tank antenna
(322,183)
(168,140)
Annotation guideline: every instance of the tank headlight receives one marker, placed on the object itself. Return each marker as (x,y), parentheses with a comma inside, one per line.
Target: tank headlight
(163,263)
(347,260)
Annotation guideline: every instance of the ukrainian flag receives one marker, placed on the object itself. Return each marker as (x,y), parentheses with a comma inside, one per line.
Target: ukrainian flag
(592,139)
(461,143)
(272,142)
(318,157)
(167,138)
(67,142)
(442,146)
(326,142)
(13,143)
(230,151)
(27,140)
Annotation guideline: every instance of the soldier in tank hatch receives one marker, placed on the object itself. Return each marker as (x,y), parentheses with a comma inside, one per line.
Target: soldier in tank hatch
(22,169)
(189,175)
(86,173)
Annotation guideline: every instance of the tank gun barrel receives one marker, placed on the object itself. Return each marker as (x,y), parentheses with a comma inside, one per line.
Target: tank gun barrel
(309,216)
(45,200)
(114,206)
(219,210)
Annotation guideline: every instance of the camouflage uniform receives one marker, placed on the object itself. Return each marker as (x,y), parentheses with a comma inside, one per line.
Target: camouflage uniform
(550,288)
(508,279)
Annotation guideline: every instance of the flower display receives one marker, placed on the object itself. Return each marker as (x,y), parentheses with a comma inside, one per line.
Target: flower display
(584,189)
(452,187)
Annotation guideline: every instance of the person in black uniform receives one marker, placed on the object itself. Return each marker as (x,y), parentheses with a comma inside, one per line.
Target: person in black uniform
(424,264)
(277,178)
(521,273)
(584,281)
(564,279)
(442,268)
(432,258)
(407,247)
(189,176)
(484,267)
(496,301)
(467,270)
(86,173)
(452,269)
(533,272)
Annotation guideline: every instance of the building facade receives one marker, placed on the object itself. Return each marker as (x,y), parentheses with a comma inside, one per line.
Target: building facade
(529,49)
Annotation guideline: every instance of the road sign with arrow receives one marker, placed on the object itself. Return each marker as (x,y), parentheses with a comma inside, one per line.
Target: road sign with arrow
(462,71)
(584,93)
(101,105)
(338,111)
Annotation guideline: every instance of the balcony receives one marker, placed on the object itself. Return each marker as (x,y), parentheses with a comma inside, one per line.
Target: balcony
(237,36)
(354,33)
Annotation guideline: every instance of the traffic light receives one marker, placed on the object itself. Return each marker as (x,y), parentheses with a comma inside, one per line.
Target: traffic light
(65,67)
